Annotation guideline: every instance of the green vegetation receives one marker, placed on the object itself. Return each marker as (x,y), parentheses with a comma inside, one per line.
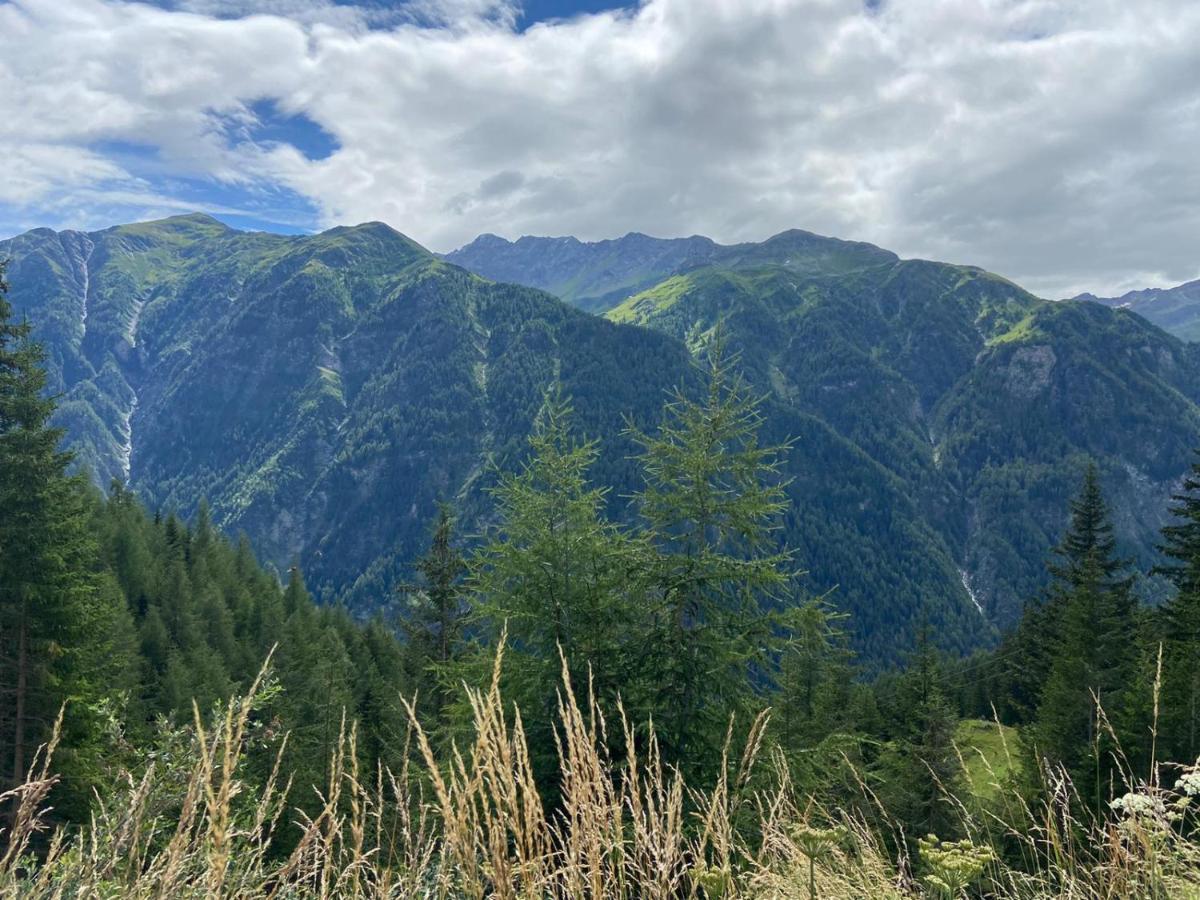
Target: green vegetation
(956,411)
(581,706)
(326,393)
(991,758)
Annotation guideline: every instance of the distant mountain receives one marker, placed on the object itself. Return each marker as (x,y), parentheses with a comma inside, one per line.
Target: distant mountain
(1176,309)
(324,392)
(596,276)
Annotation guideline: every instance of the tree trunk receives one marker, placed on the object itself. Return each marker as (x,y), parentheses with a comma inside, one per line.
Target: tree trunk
(22,689)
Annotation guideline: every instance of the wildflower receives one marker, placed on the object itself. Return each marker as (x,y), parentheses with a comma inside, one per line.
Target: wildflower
(1139,806)
(954,865)
(817,844)
(1189,784)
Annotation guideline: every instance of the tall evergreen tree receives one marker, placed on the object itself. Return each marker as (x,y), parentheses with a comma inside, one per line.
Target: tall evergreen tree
(1180,625)
(435,615)
(557,574)
(712,499)
(1094,630)
(52,607)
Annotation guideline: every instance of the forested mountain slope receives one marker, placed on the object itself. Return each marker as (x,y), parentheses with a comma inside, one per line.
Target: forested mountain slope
(325,392)
(973,404)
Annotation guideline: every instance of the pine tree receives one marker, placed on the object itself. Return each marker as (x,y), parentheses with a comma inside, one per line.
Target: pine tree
(816,675)
(1180,625)
(1094,652)
(711,502)
(1022,663)
(316,674)
(919,773)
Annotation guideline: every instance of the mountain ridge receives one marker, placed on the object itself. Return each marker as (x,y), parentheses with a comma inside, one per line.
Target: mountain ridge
(324,392)
(596,275)
(1004,340)
(284,377)
(1174,309)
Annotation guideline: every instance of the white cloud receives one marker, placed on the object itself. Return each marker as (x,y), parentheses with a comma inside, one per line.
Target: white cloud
(1053,141)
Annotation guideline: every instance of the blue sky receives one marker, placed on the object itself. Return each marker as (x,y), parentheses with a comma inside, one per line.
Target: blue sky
(1052,141)
(529,13)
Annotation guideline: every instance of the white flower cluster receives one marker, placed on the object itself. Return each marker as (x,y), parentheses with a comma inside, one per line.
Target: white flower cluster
(1189,784)
(1137,806)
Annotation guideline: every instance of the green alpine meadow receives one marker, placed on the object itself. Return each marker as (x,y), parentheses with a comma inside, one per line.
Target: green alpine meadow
(599,450)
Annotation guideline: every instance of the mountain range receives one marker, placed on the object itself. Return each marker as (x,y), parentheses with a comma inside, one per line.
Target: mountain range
(1176,309)
(324,392)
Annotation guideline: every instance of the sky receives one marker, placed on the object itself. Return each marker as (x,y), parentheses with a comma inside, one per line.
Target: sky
(1056,142)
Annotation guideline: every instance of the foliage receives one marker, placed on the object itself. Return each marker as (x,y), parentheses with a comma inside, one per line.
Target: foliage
(713,494)
(560,579)
(1180,622)
(202,823)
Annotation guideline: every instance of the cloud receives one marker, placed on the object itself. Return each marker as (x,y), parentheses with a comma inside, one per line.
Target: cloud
(1052,141)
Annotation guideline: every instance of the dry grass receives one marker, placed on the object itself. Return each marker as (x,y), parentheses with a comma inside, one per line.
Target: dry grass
(474,825)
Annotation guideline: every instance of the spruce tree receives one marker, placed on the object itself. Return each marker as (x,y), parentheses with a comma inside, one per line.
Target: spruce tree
(712,500)
(51,605)
(1094,658)
(1179,623)
(435,614)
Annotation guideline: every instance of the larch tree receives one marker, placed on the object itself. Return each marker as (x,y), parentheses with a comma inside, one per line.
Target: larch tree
(557,575)
(712,500)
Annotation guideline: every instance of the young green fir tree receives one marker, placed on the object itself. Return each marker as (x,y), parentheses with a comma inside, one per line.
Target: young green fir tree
(1179,623)
(1094,658)
(919,772)
(712,500)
